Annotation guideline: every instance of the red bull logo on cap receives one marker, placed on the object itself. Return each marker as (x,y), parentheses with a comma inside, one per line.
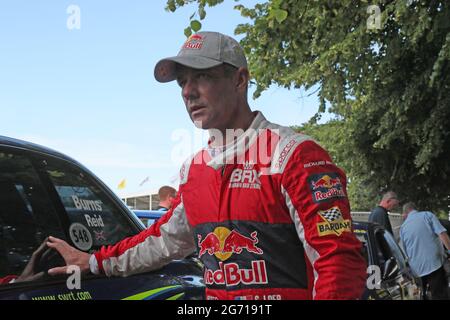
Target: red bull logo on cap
(195,41)
(326,186)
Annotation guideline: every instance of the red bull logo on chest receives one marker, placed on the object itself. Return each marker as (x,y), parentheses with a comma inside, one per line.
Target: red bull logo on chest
(230,274)
(223,243)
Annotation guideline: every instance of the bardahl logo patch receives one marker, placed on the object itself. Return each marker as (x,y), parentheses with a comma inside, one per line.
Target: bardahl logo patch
(334,223)
(325,186)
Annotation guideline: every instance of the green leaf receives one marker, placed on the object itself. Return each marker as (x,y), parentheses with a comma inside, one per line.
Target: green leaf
(201,13)
(276,3)
(196,25)
(171,6)
(188,32)
(280,15)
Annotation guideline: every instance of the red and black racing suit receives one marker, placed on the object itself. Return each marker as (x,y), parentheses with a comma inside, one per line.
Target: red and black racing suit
(268,216)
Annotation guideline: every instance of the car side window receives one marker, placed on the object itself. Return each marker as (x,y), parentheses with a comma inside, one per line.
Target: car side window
(384,253)
(27,215)
(395,250)
(94,218)
(361,235)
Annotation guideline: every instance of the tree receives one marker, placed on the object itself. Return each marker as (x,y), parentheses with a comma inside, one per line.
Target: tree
(383,70)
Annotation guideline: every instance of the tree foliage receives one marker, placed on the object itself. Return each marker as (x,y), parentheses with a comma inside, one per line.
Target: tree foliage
(383,69)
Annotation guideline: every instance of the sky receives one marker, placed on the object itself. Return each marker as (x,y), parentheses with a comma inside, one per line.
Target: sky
(88,91)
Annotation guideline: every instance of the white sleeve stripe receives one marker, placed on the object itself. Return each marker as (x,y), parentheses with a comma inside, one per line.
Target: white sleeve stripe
(285,149)
(175,242)
(93,265)
(312,254)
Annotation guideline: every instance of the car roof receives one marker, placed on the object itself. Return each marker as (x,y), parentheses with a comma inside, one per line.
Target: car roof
(26,145)
(29,146)
(149,214)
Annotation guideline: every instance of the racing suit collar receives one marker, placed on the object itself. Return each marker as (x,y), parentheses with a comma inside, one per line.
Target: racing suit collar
(227,154)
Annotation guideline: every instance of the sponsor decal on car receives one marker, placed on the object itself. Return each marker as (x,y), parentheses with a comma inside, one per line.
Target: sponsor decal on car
(94,221)
(90,205)
(66,296)
(81,236)
(166,293)
(100,236)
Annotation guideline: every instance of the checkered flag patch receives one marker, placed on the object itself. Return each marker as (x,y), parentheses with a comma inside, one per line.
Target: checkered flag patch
(332,214)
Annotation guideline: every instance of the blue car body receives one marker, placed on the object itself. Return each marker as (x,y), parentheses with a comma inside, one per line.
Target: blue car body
(148,217)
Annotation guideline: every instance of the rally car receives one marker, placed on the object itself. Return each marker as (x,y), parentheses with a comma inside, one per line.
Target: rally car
(389,275)
(44,192)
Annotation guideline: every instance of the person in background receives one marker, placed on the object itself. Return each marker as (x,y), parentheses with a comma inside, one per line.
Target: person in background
(166,197)
(422,237)
(380,214)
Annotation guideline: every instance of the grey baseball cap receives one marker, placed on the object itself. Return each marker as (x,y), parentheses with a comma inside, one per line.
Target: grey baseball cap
(202,50)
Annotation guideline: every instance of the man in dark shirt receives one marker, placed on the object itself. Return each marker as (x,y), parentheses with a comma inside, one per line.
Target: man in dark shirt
(380,213)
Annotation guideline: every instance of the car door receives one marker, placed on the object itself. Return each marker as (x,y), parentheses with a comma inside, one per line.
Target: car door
(46,195)
(398,281)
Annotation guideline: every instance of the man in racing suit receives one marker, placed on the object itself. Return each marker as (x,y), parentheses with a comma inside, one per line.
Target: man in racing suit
(267,213)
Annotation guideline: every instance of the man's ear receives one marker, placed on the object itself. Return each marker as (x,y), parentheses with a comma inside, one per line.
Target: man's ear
(243,77)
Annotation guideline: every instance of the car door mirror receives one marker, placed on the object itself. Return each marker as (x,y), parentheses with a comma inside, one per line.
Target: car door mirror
(391,269)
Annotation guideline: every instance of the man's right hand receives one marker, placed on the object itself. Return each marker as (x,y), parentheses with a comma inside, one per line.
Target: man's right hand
(70,255)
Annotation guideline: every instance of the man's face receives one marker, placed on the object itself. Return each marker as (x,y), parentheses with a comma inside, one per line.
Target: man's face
(210,96)
(392,204)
